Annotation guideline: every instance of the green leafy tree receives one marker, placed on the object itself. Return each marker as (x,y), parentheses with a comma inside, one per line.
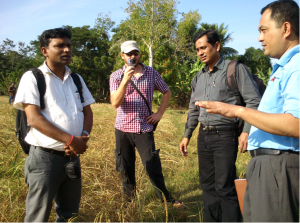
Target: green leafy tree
(151,22)
(91,58)
(185,32)
(37,53)
(103,26)
(13,63)
(257,62)
(265,76)
(182,88)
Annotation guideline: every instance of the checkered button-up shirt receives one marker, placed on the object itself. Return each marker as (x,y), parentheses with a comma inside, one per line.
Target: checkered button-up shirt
(132,113)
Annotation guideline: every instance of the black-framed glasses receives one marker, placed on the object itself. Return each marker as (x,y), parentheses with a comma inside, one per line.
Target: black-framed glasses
(130,54)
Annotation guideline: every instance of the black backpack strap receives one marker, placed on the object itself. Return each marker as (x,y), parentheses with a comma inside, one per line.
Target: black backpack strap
(140,93)
(231,80)
(78,84)
(41,84)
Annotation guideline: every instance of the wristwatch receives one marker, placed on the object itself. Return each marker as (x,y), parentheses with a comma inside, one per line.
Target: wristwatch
(85,132)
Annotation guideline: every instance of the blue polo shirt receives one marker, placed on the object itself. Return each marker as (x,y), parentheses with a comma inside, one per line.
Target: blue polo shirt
(281,96)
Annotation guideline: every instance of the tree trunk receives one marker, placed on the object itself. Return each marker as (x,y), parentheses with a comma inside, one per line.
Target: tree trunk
(151,37)
(150,56)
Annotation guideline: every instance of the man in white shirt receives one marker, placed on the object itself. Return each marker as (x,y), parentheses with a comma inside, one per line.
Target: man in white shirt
(58,134)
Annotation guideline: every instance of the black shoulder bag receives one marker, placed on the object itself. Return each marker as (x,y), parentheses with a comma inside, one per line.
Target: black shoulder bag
(138,91)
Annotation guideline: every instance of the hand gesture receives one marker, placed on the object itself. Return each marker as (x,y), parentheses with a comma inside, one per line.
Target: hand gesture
(129,71)
(214,107)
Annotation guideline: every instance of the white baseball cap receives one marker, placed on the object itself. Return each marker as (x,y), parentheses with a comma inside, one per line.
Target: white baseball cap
(129,46)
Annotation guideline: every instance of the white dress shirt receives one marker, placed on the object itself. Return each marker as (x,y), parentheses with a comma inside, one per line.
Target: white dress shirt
(63,106)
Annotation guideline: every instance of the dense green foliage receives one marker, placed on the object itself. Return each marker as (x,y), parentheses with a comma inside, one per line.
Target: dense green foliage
(13,63)
(164,35)
(257,62)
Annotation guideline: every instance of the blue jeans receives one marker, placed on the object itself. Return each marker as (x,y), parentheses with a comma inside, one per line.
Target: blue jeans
(10,99)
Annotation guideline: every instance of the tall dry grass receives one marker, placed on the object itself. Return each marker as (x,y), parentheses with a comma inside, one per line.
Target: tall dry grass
(102,192)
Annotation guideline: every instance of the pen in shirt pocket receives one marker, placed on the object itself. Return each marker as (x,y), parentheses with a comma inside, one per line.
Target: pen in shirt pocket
(77,94)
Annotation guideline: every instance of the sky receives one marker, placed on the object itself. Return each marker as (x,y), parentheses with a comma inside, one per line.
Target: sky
(23,21)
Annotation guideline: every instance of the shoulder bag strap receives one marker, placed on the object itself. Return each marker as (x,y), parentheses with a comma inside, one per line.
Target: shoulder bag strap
(41,84)
(231,80)
(78,84)
(138,91)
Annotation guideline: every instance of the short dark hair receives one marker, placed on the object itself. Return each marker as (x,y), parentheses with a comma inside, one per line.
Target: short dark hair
(284,11)
(212,36)
(54,33)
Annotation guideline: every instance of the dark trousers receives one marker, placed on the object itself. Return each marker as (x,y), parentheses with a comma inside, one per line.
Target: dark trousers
(217,152)
(272,193)
(125,160)
(47,180)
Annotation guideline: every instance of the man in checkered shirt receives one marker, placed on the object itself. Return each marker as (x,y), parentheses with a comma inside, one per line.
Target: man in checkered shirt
(134,123)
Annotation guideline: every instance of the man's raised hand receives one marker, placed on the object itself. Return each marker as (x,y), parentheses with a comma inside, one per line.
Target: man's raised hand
(214,107)
(129,71)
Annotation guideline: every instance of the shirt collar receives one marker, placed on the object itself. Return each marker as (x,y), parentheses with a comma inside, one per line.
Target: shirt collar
(219,65)
(285,58)
(46,69)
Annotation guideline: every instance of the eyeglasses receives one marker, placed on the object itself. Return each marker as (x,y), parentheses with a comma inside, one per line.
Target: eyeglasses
(130,54)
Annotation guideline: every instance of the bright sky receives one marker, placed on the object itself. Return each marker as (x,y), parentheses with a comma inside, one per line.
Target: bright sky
(22,20)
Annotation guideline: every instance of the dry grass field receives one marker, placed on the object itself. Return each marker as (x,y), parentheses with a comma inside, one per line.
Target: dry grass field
(102,192)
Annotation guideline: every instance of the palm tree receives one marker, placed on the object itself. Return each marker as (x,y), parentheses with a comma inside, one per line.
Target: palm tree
(224,37)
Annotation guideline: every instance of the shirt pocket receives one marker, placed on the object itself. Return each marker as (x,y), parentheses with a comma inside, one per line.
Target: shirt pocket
(220,92)
(78,101)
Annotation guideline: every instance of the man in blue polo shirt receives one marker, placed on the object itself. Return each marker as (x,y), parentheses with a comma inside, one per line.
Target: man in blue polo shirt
(272,175)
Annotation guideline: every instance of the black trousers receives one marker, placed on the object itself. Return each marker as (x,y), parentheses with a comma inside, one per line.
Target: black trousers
(217,152)
(125,161)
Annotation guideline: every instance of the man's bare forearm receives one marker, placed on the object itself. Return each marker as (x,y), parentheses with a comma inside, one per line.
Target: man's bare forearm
(117,97)
(284,124)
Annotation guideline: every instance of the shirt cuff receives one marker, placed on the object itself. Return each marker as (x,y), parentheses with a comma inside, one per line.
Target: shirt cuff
(88,102)
(188,133)
(19,104)
(247,127)
(294,113)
